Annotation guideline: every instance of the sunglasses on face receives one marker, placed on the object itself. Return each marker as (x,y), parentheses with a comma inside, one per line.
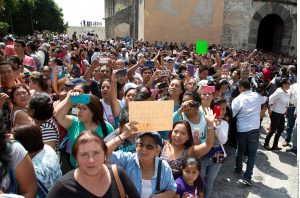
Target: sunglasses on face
(148,146)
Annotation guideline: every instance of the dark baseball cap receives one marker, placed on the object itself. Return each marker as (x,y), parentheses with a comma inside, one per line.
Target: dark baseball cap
(155,135)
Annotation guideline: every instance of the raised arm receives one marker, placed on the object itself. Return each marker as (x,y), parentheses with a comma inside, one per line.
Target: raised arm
(124,133)
(115,106)
(200,150)
(61,112)
(87,75)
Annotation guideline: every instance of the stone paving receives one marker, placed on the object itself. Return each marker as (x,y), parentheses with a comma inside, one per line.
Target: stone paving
(275,174)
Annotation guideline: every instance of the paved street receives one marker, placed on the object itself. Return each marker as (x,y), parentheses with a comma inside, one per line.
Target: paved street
(275,174)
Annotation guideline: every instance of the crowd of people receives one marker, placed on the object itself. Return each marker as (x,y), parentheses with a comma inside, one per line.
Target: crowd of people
(65,128)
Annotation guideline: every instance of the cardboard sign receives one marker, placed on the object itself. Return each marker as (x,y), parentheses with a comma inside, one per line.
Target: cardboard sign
(152,115)
(201,47)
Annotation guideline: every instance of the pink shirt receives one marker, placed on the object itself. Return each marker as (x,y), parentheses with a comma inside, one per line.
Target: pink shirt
(9,50)
(29,61)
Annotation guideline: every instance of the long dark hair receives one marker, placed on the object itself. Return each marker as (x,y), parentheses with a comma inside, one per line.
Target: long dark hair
(187,125)
(192,161)
(5,156)
(97,109)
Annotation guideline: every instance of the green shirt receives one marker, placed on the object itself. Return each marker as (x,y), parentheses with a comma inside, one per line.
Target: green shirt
(77,127)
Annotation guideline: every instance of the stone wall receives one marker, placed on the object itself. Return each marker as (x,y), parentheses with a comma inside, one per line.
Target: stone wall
(232,23)
(181,20)
(242,19)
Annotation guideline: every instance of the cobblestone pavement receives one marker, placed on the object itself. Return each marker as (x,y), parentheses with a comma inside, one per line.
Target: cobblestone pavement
(275,174)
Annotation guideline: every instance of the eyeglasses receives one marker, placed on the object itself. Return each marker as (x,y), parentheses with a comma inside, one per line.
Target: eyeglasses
(148,146)
(82,109)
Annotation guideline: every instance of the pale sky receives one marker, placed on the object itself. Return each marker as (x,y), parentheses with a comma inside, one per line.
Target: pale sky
(76,11)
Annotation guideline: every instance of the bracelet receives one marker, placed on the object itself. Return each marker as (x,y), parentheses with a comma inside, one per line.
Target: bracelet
(210,127)
(120,138)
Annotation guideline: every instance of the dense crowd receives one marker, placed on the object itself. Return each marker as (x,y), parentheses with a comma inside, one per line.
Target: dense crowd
(65,129)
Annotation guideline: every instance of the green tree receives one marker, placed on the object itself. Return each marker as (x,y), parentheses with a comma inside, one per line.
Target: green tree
(25,16)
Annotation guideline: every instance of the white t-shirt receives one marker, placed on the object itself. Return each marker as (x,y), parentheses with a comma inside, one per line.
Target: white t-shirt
(107,113)
(146,188)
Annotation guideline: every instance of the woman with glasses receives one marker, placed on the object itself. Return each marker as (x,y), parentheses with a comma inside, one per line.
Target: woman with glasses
(20,96)
(143,166)
(89,117)
(279,102)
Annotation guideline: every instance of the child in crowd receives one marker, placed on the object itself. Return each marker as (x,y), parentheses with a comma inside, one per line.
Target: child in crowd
(190,184)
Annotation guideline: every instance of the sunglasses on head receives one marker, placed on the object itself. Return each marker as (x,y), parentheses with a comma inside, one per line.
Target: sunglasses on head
(148,146)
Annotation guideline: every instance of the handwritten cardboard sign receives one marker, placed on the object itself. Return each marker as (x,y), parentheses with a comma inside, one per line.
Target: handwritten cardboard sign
(152,115)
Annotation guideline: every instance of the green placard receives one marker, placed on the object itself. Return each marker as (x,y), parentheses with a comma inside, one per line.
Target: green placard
(201,47)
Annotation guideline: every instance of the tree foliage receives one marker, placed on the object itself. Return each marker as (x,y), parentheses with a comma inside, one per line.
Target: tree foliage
(26,16)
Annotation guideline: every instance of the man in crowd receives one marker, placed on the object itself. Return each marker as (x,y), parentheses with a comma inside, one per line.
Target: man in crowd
(246,107)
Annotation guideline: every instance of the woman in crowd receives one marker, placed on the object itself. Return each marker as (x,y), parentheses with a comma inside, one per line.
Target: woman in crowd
(20,96)
(211,163)
(279,102)
(40,109)
(93,177)
(44,158)
(181,143)
(5,164)
(191,85)
(129,94)
(20,178)
(190,112)
(175,92)
(106,101)
(89,117)
(38,83)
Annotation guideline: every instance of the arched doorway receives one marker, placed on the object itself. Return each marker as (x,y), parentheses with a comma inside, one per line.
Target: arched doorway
(270,33)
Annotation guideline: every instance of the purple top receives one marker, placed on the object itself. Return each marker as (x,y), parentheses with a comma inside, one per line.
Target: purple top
(187,191)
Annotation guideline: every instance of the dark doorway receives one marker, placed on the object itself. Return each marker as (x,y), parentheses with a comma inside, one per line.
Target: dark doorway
(270,33)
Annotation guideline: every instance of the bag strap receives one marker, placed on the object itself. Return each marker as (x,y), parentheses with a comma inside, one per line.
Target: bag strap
(157,188)
(42,191)
(118,181)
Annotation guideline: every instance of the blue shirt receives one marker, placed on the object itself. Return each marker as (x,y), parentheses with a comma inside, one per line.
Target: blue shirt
(130,163)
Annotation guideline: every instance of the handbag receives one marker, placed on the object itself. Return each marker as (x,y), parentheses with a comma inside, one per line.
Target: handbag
(118,181)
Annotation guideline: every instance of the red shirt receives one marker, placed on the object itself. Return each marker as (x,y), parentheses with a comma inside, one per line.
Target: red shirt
(267,74)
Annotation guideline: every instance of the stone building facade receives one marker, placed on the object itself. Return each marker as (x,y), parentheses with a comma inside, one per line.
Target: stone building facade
(248,24)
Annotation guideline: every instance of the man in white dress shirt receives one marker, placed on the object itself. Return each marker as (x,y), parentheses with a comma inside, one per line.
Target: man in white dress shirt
(246,107)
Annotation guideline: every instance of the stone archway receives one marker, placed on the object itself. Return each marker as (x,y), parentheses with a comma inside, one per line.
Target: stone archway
(287,27)
(270,32)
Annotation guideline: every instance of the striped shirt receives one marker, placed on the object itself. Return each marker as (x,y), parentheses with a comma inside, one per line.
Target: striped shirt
(49,131)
